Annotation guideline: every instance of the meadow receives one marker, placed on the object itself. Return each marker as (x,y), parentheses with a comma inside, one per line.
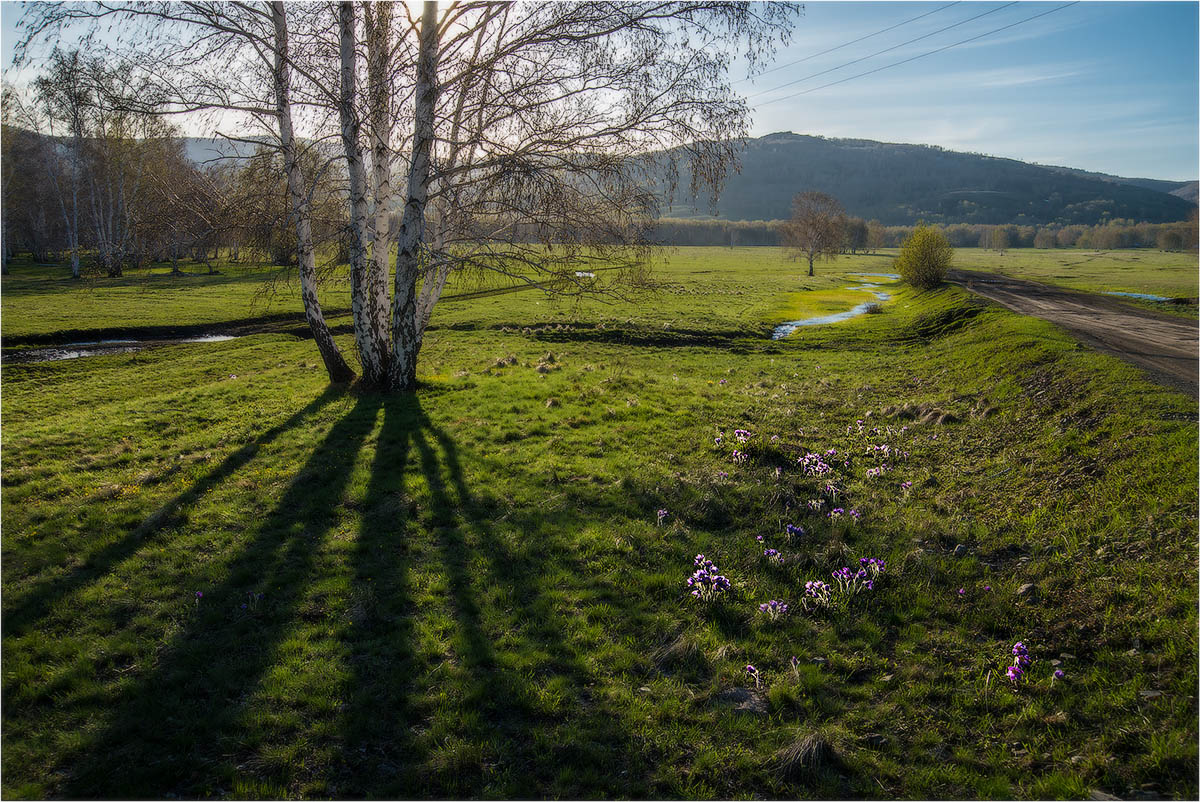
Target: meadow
(1166,273)
(223,577)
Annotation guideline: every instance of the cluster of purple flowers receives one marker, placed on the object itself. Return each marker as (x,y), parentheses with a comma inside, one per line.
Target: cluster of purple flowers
(853,582)
(774,609)
(791,530)
(662,515)
(742,435)
(774,556)
(815,504)
(813,465)
(1021,662)
(837,512)
(873,473)
(872,566)
(905,485)
(818,594)
(706,583)
(739,457)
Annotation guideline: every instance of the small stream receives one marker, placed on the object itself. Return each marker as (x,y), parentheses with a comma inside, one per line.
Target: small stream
(55,353)
(784,329)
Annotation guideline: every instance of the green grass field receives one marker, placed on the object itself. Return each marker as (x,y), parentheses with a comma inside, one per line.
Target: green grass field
(224,578)
(1173,275)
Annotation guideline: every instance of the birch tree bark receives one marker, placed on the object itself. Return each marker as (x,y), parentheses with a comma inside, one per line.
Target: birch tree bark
(335,363)
(406,332)
(370,347)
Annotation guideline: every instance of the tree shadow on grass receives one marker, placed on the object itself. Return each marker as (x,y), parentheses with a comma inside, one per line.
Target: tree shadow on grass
(182,728)
(503,707)
(477,720)
(27,609)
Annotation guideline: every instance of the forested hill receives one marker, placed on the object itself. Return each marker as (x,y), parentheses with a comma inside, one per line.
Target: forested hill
(899,184)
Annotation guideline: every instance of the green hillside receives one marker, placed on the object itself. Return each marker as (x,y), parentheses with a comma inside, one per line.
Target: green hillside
(899,184)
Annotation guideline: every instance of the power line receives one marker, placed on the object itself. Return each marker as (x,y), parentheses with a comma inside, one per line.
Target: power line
(914,58)
(881,52)
(847,44)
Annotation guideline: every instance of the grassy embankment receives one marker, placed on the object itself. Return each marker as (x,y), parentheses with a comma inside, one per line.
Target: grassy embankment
(223,577)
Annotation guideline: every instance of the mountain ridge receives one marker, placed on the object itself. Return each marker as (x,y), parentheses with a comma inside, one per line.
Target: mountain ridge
(899,183)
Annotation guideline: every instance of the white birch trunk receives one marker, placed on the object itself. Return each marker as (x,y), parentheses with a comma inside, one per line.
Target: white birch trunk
(406,331)
(372,348)
(335,364)
(379,125)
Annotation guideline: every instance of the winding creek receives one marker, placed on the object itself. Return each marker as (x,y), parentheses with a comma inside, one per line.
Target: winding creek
(78,350)
(56,353)
(784,329)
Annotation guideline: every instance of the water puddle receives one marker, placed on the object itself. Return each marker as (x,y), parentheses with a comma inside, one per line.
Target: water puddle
(1143,295)
(893,276)
(79,350)
(784,329)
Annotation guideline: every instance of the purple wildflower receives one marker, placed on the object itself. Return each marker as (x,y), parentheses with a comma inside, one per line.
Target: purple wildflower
(774,609)
(817,594)
(705,582)
(753,672)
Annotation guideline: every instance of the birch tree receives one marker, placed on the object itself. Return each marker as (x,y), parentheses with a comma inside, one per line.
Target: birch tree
(205,57)
(535,140)
(540,140)
(815,230)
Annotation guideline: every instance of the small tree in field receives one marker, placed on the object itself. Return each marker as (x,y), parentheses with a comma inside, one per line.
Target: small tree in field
(816,228)
(924,258)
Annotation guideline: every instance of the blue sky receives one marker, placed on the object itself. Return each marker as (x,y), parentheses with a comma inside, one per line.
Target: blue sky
(1105,86)
(1110,87)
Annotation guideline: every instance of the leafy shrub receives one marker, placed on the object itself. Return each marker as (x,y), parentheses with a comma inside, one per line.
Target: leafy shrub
(924,258)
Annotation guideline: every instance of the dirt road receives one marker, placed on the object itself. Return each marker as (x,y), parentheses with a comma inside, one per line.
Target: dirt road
(1162,345)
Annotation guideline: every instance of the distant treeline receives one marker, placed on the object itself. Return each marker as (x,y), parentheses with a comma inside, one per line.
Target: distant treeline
(869,235)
